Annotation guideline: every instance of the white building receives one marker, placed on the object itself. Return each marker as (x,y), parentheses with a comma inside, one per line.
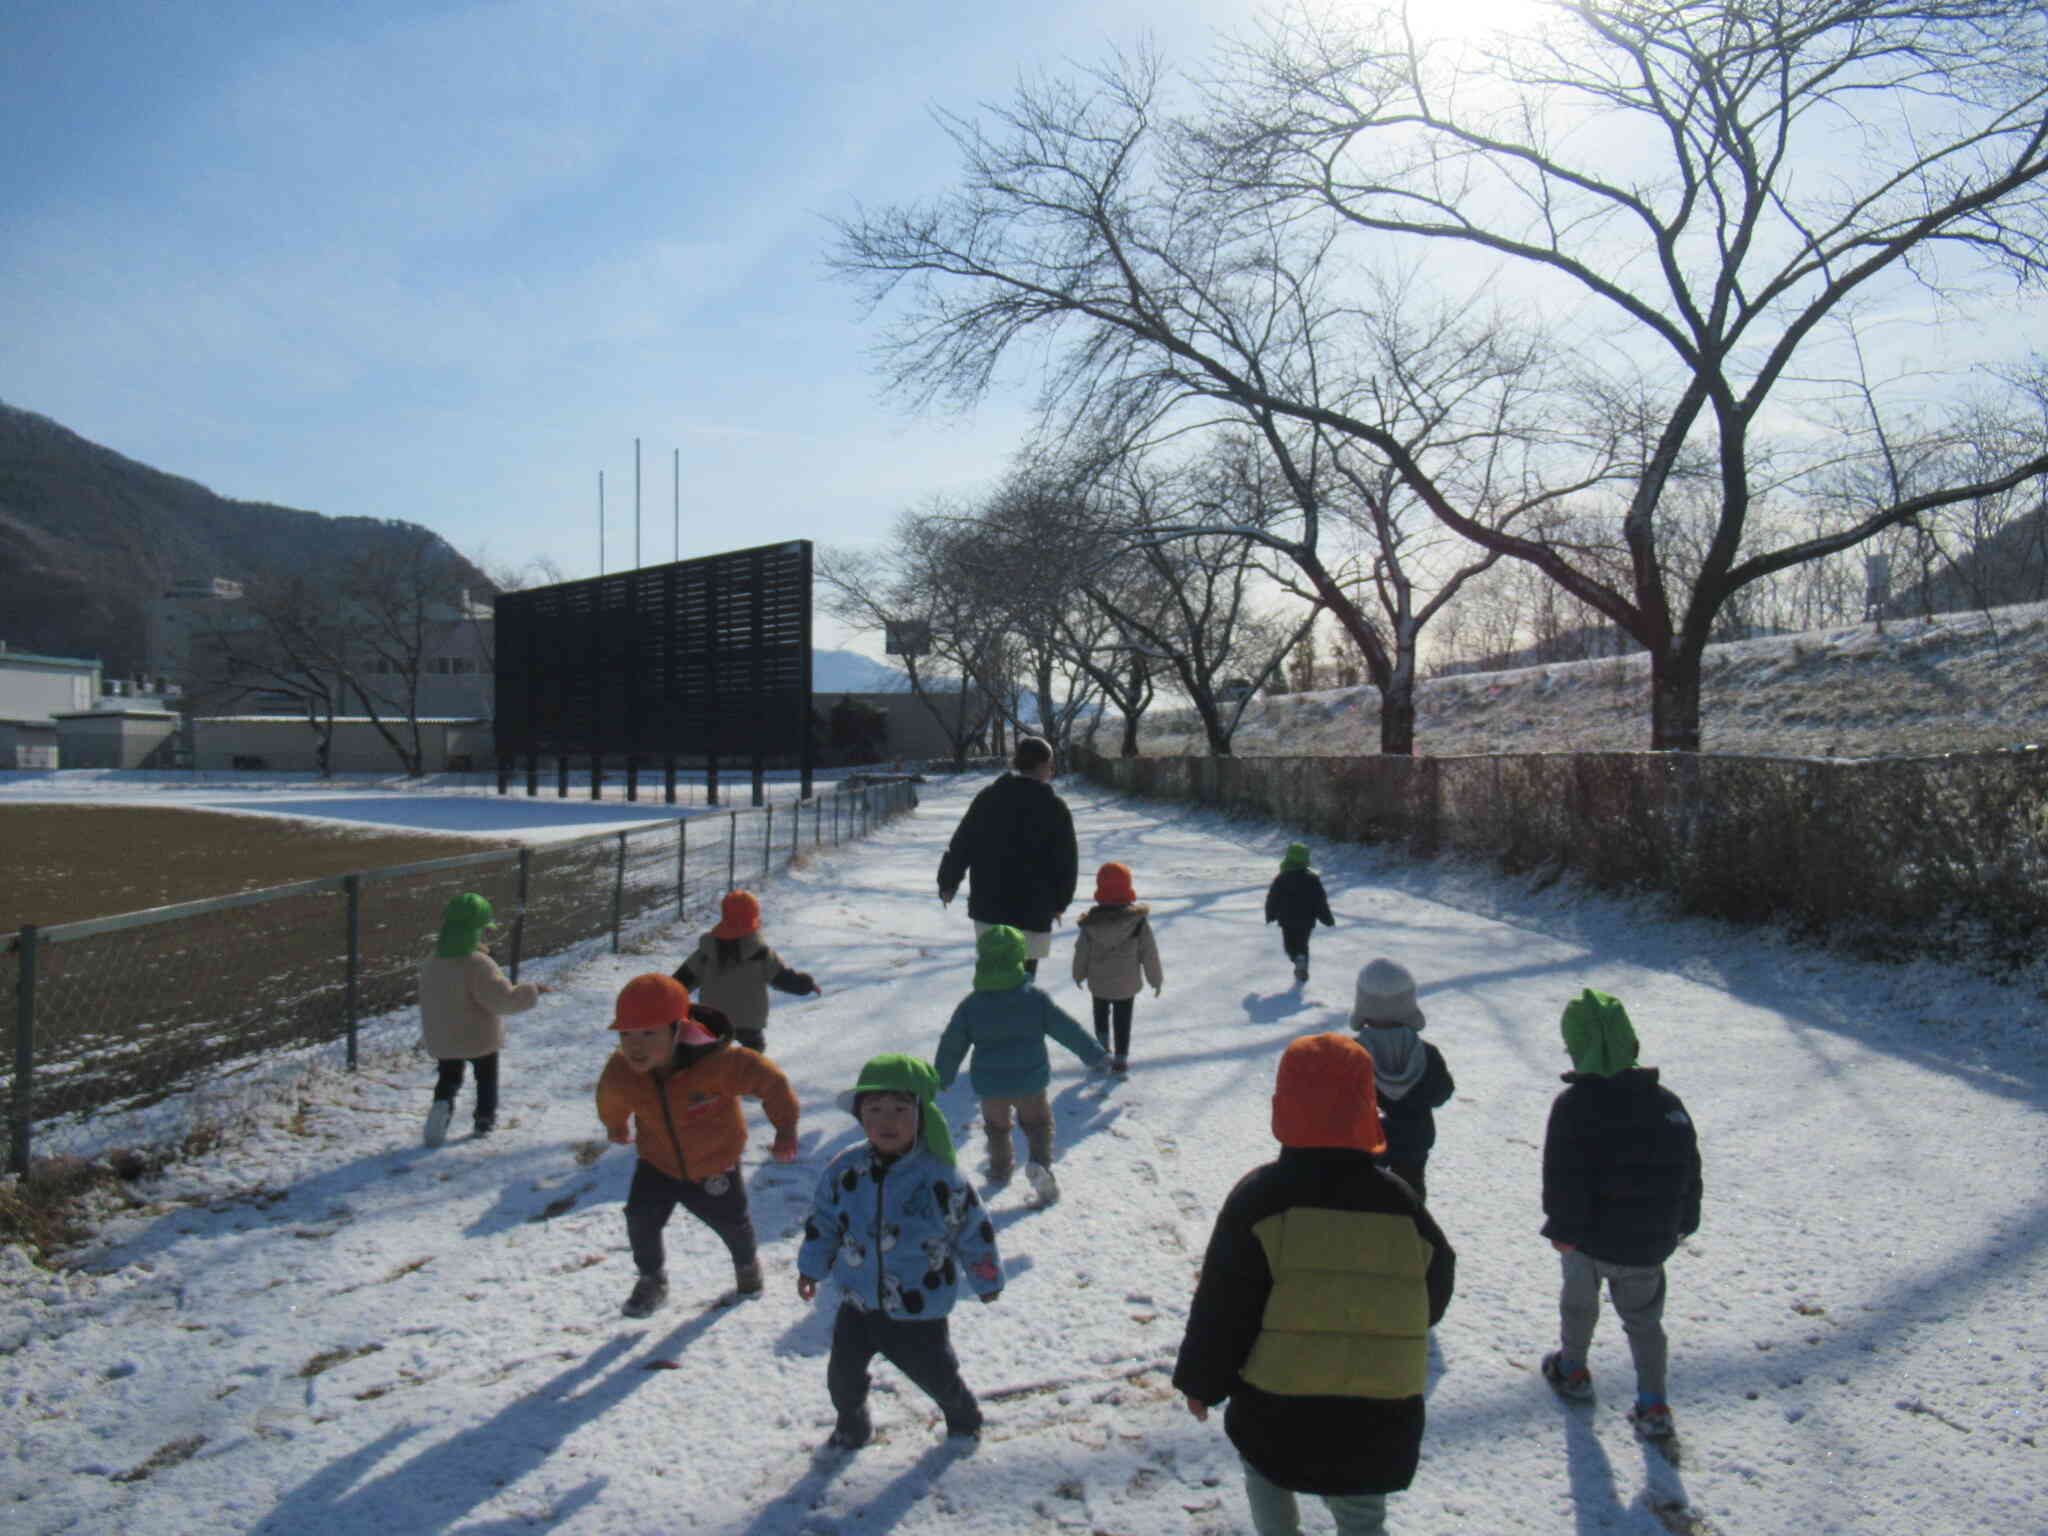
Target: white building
(34,691)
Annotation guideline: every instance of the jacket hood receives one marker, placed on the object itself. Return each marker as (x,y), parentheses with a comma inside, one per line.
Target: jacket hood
(463,922)
(1598,1034)
(999,956)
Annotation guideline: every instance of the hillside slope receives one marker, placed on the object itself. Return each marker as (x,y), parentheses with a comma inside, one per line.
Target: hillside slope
(1956,682)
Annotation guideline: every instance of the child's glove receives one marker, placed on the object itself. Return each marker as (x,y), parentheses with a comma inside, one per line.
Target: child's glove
(946,897)
(1156,990)
(784,1150)
(989,1296)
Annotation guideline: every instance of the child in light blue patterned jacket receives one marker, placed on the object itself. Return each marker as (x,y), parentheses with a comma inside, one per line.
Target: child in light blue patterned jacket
(895,1226)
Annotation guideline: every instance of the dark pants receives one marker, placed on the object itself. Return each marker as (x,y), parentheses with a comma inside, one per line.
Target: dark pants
(1409,1174)
(485,1069)
(920,1348)
(1295,939)
(1114,1013)
(654,1197)
(1030,967)
(752,1039)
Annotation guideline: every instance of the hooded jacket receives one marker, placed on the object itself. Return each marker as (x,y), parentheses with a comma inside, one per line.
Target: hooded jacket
(896,1234)
(1296,899)
(1015,847)
(687,1115)
(463,1001)
(1412,1083)
(1006,1029)
(1621,1168)
(1115,952)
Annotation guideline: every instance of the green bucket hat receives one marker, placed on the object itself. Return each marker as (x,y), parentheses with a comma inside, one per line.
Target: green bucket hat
(463,922)
(906,1074)
(1296,857)
(1598,1034)
(999,956)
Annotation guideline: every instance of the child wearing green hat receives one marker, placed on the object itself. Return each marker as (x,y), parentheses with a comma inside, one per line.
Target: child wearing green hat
(464,998)
(1297,901)
(1005,1022)
(896,1226)
(1621,1188)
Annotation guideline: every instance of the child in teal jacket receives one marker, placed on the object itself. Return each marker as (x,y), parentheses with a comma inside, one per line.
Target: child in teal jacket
(1005,1022)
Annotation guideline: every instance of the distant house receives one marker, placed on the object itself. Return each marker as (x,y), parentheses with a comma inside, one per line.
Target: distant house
(34,690)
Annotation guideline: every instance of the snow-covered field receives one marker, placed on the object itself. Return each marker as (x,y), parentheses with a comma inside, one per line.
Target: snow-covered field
(322,1327)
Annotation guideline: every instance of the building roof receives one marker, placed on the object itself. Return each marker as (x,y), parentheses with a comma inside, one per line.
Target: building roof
(7,655)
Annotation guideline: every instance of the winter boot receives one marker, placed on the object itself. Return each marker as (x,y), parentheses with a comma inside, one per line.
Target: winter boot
(1043,1184)
(649,1292)
(1119,1065)
(852,1433)
(437,1121)
(1652,1421)
(1301,967)
(746,1278)
(1575,1385)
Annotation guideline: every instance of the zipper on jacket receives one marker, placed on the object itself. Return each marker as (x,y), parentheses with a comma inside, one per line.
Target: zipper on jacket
(668,1118)
(881,1306)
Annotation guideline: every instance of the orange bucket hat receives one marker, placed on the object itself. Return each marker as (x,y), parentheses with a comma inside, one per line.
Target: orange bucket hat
(1323,1095)
(655,1001)
(738,915)
(1113,886)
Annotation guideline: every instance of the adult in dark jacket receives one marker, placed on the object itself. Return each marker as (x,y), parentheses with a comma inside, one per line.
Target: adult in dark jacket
(1312,1314)
(1015,848)
(1411,1076)
(1621,1187)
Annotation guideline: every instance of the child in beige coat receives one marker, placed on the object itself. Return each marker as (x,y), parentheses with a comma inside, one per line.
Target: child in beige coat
(1113,955)
(464,998)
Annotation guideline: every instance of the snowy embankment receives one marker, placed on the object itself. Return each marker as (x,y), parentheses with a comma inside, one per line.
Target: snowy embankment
(324,1327)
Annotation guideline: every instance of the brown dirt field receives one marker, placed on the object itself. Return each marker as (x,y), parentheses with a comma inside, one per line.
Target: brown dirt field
(65,863)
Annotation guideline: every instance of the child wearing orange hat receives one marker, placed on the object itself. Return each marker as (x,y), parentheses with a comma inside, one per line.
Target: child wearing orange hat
(732,969)
(677,1079)
(1315,1299)
(1114,954)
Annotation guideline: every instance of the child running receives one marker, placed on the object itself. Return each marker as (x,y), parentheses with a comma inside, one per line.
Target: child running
(1113,952)
(1004,1021)
(732,969)
(678,1080)
(1297,902)
(895,1226)
(1408,1072)
(464,998)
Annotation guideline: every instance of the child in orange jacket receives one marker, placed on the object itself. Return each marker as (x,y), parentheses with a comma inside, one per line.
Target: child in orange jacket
(678,1078)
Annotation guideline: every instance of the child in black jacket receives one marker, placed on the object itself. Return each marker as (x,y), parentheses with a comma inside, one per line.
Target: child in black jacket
(1297,902)
(1621,1187)
(1409,1073)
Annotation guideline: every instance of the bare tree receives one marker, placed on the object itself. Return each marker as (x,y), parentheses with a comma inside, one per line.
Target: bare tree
(1087,225)
(1711,189)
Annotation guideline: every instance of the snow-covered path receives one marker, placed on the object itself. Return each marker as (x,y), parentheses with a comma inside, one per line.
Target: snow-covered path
(326,1328)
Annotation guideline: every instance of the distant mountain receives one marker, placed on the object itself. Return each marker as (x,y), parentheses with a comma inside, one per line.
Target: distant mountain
(88,537)
(851,672)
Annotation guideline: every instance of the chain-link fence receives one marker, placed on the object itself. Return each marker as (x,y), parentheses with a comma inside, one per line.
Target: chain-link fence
(1937,854)
(116,1013)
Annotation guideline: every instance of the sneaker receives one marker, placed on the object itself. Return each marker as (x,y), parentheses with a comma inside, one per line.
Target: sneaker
(1043,1184)
(437,1121)
(851,1434)
(649,1292)
(1120,1065)
(1652,1421)
(1301,970)
(1577,1385)
(746,1278)
(485,1127)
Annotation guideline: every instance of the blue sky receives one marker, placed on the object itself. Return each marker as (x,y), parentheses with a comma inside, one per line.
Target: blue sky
(443,262)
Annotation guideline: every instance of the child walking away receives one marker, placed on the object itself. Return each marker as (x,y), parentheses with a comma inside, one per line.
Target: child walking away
(732,969)
(895,1226)
(1113,952)
(1621,1188)
(1312,1312)
(678,1080)
(1409,1073)
(464,998)
(1297,902)
(1004,1021)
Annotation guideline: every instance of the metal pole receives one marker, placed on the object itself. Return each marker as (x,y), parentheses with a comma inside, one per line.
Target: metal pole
(767,838)
(519,911)
(636,503)
(679,503)
(352,888)
(682,847)
(732,847)
(24,1049)
(600,522)
(618,893)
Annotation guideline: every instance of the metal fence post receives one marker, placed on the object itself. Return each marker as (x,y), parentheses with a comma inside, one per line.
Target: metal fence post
(796,830)
(732,848)
(519,911)
(24,1049)
(682,847)
(352,890)
(619,893)
(767,839)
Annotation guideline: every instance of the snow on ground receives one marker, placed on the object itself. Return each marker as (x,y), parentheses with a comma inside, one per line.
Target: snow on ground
(324,1327)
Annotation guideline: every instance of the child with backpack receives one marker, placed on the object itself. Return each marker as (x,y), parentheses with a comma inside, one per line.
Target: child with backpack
(896,1227)
(732,968)
(1114,952)
(1297,902)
